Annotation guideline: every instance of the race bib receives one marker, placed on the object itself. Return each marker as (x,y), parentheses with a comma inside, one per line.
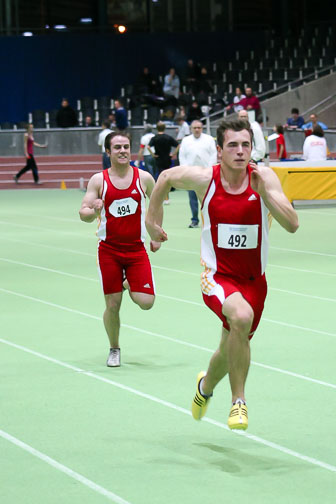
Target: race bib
(237,236)
(123,207)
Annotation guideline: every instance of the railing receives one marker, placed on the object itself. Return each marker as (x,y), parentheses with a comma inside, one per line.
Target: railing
(279,90)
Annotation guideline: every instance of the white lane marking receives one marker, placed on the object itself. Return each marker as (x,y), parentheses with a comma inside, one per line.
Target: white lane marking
(64,469)
(79,252)
(304,251)
(168,338)
(179,300)
(300,270)
(170,405)
(169,249)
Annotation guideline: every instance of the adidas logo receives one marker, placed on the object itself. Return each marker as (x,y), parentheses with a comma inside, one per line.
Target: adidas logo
(134,191)
(147,286)
(252,197)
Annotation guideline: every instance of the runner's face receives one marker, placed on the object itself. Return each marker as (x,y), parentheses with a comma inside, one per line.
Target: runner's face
(120,152)
(236,151)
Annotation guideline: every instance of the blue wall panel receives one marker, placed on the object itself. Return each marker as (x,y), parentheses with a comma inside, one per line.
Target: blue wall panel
(36,72)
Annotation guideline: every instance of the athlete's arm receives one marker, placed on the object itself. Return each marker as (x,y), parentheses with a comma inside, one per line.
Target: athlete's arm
(92,203)
(148,183)
(25,145)
(266,183)
(194,178)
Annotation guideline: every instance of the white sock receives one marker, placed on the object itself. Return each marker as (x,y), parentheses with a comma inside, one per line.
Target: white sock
(201,389)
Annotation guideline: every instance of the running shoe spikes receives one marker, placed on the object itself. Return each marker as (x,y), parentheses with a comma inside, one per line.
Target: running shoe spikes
(200,403)
(238,418)
(113,359)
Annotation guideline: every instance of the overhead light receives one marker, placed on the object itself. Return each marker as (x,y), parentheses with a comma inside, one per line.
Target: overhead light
(60,27)
(27,34)
(121,29)
(85,20)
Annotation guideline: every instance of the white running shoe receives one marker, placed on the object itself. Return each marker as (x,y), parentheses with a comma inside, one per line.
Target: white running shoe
(113,359)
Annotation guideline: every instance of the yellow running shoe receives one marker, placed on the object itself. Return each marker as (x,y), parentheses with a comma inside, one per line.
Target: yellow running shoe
(200,403)
(238,418)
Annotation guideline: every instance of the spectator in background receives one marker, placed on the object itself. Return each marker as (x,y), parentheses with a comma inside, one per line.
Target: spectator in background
(66,116)
(162,144)
(314,122)
(250,102)
(88,122)
(111,119)
(120,116)
(258,141)
(192,74)
(280,142)
(294,122)
(315,145)
(146,81)
(183,128)
(167,115)
(101,142)
(194,112)
(171,86)
(148,159)
(197,149)
(238,96)
(149,88)
(204,81)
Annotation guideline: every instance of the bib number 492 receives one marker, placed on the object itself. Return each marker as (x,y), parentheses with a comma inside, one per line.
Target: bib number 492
(237,241)
(238,236)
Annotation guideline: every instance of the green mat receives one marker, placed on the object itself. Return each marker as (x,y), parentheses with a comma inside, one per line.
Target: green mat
(74,431)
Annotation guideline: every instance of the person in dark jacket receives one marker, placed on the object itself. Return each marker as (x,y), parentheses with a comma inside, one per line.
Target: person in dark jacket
(120,115)
(66,116)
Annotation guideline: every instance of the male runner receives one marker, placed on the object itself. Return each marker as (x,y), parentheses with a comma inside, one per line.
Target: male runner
(236,197)
(116,197)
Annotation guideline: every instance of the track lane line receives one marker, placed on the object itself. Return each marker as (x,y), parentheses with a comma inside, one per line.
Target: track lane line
(168,338)
(257,439)
(80,252)
(64,469)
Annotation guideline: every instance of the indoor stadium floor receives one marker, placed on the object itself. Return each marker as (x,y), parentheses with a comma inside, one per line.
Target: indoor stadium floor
(73,431)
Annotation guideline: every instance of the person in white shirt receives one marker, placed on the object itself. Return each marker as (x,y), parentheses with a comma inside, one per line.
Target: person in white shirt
(315,146)
(183,128)
(148,159)
(239,96)
(101,141)
(197,149)
(259,144)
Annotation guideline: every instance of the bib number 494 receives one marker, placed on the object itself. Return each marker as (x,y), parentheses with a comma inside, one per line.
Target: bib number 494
(123,207)
(123,210)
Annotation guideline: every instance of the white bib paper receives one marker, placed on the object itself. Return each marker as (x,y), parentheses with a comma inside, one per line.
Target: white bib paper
(238,236)
(123,207)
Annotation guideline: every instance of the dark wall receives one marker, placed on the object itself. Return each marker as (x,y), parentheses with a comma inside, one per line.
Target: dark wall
(36,72)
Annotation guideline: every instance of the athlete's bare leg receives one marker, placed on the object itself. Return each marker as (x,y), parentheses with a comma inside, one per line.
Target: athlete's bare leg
(111,318)
(145,301)
(233,354)
(218,366)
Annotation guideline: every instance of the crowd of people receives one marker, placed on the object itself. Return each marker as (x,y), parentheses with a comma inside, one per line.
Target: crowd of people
(155,149)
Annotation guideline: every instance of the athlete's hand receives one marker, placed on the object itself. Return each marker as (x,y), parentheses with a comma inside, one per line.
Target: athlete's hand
(259,177)
(154,246)
(97,205)
(156,232)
